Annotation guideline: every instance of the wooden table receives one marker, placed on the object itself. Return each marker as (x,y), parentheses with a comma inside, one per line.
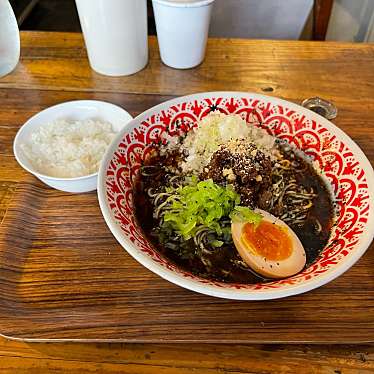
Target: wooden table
(54,68)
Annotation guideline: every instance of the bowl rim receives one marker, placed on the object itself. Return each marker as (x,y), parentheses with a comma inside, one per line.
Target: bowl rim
(70,103)
(230,293)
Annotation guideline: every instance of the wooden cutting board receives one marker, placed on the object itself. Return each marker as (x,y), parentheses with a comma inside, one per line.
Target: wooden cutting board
(64,276)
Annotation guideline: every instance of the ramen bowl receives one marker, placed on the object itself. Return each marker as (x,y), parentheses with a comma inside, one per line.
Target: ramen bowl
(347,171)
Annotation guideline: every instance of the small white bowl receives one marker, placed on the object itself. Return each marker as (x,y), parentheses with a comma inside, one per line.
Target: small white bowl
(74,111)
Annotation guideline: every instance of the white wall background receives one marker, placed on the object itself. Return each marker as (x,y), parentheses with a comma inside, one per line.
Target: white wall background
(351,20)
(266,19)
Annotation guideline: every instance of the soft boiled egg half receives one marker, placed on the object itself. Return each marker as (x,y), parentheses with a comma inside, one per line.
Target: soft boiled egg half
(270,248)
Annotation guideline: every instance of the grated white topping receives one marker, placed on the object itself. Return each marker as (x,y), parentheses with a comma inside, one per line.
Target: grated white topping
(215,130)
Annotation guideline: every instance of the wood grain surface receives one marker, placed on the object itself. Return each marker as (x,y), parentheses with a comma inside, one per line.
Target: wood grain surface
(36,358)
(54,69)
(67,278)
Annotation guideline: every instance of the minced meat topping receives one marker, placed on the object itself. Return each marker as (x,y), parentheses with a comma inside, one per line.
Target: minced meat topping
(244,166)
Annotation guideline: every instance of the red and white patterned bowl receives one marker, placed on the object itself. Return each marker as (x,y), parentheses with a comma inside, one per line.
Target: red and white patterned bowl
(343,163)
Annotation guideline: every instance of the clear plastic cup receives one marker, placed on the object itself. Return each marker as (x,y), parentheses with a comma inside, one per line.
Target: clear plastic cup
(182,31)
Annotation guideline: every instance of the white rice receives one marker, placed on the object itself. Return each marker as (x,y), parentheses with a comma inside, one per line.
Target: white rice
(217,129)
(68,149)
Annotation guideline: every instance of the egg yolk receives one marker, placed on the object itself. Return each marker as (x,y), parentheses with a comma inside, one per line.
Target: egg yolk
(268,240)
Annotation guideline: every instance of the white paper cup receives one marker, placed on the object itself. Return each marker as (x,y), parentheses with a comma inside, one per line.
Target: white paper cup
(182,31)
(9,39)
(116,35)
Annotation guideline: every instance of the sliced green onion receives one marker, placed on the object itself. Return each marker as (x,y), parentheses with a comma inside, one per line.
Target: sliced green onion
(245,214)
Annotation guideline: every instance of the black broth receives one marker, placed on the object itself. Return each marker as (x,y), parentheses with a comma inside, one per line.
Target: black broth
(226,262)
